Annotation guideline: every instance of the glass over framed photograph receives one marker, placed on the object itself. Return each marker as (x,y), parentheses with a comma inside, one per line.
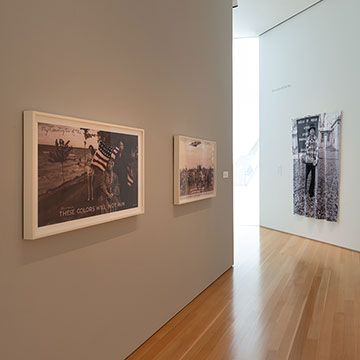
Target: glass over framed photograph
(316,165)
(79,173)
(194,169)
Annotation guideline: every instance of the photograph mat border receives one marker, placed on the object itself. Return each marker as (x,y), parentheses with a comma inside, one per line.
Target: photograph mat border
(31,119)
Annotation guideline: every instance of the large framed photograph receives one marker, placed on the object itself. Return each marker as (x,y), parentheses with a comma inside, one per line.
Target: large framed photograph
(79,173)
(194,169)
(316,165)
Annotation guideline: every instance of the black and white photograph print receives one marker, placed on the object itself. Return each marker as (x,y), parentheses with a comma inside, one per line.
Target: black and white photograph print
(194,169)
(85,171)
(316,171)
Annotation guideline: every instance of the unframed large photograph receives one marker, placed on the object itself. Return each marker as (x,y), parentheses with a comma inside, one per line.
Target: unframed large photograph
(316,149)
(79,173)
(194,169)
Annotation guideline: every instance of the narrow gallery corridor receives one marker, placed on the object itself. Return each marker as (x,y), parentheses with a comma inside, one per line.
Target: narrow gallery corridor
(181,182)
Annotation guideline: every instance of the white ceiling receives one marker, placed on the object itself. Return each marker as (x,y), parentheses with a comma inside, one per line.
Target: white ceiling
(254,17)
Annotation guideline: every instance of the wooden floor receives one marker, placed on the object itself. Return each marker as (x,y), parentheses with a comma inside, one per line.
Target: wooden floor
(286,298)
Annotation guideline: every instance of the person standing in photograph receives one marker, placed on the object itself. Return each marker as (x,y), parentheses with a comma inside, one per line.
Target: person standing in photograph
(109,186)
(311,160)
(132,177)
(90,172)
(121,168)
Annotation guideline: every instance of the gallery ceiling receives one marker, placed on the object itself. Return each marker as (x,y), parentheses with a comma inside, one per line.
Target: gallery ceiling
(254,17)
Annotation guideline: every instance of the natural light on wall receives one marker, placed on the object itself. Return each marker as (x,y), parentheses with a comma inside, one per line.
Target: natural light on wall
(246,130)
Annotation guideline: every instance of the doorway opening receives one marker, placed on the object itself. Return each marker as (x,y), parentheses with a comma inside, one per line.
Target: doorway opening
(245,140)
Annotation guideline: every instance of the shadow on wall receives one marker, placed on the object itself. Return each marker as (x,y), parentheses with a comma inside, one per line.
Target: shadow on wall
(192,207)
(40,249)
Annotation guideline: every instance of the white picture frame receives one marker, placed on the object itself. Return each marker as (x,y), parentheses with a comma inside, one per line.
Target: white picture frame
(194,169)
(71,189)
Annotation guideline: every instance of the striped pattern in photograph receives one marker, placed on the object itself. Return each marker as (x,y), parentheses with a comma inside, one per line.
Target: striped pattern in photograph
(102,156)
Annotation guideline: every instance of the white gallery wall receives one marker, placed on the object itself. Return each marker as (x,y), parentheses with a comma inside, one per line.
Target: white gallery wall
(310,65)
(99,292)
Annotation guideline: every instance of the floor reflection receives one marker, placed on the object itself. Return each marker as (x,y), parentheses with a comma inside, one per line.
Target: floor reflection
(247,302)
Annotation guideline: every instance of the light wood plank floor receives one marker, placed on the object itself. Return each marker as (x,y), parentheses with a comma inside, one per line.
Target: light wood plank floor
(286,298)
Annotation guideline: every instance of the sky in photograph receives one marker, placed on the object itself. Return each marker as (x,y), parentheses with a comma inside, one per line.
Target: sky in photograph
(328,119)
(48,133)
(191,156)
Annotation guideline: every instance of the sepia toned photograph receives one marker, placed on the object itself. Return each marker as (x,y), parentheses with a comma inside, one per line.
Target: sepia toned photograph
(316,170)
(84,171)
(194,169)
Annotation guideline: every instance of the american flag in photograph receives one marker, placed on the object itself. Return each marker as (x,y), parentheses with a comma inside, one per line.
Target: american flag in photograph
(130,176)
(102,156)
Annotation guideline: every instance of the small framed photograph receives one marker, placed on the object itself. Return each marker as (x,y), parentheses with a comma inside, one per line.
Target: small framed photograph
(79,173)
(194,169)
